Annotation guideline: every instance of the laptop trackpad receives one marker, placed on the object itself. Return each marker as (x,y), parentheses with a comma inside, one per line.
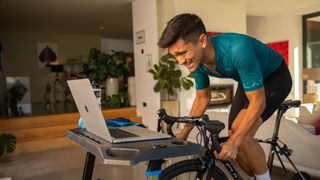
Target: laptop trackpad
(142,132)
(118,133)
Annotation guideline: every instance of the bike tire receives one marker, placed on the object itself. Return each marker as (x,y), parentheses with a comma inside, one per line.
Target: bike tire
(297,176)
(188,166)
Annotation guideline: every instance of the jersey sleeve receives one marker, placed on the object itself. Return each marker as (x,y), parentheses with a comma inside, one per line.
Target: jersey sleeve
(247,66)
(201,79)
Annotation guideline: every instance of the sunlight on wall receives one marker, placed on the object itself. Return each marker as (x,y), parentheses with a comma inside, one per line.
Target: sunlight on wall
(296,77)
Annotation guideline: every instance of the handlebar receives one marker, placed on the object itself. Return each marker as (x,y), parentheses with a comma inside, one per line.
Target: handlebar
(213,126)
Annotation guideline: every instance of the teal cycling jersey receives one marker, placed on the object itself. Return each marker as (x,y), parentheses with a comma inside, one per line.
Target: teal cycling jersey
(239,57)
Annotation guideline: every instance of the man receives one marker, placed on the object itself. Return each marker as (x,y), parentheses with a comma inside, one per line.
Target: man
(263,79)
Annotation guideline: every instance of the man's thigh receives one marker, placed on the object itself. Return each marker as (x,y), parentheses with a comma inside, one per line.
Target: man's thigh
(277,87)
(238,120)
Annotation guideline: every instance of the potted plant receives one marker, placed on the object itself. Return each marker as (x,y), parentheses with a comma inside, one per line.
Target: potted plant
(96,68)
(169,79)
(106,70)
(117,100)
(7,143)
(117,68)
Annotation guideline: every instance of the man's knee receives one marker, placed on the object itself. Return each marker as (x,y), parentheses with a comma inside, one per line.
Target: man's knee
(240,156)
(247,142)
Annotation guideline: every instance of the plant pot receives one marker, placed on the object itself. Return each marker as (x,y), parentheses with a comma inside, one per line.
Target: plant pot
(132,91)
(5,178)
(112,86)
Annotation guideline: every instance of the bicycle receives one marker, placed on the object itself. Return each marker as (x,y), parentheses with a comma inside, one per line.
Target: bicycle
(204,166)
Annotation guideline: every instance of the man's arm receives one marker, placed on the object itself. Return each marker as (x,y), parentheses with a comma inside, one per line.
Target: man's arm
(257,103)
(199,106)
(253,113)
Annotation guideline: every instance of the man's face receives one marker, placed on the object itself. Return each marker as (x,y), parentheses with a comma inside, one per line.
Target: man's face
(187,54)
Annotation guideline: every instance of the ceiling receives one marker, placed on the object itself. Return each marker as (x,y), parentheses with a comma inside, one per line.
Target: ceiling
(106,18)
(273,7)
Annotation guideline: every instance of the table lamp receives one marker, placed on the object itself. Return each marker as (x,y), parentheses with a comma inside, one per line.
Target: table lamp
(57,69)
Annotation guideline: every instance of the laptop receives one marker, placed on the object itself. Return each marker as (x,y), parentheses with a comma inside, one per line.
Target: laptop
(94,122)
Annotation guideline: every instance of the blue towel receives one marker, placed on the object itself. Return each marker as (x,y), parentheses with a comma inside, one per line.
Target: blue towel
(115,122)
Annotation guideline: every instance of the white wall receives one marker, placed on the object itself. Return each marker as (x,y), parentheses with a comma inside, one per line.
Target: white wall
(20,57)
(125,45)
(274,29)
(286,26)
(145,18)
(218,17)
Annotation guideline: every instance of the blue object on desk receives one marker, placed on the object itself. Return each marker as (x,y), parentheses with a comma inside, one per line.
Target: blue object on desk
(114,122)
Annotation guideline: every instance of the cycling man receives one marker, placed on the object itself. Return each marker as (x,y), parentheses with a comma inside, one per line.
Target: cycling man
(263,80)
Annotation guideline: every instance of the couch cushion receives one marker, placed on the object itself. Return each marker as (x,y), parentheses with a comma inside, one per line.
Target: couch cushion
(309,128)
(307,115)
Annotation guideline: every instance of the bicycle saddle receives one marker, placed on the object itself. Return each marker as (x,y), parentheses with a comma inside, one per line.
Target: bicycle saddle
(291,103)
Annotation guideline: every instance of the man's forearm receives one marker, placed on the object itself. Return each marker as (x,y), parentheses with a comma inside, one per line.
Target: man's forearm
(253,113)
(198,108)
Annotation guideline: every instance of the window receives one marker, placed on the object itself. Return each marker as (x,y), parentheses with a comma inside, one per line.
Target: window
(311,58)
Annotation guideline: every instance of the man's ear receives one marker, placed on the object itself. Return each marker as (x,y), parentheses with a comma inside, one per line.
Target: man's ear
(203,40)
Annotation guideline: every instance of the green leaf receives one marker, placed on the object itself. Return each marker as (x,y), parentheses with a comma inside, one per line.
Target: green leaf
(190,82)
(7,143)
(113,101)
(159,86)
(185,85)
(152,71)
(156,67)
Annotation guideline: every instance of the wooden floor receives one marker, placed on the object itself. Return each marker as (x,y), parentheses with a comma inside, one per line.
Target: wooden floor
(41,133)
(44,154)
(67,164)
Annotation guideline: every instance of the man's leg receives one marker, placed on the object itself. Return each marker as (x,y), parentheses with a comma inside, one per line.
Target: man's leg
(241,159)
(251,155)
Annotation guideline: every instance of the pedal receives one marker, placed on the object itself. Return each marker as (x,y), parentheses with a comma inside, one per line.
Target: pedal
(285,150)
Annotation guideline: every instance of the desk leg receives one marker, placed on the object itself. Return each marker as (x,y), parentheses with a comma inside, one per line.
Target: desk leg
(88,167)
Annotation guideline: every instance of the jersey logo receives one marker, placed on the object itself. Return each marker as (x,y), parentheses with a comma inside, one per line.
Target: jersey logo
(254,84)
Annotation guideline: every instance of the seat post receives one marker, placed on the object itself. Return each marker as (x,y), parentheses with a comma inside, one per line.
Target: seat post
(275,137)
(281,111)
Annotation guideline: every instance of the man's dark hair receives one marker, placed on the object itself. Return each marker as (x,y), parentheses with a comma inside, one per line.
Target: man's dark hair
(186,26)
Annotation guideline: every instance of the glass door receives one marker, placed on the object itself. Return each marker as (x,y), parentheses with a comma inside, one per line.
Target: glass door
(311,58)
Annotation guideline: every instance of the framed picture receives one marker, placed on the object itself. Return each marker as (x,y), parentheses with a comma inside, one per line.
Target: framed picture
(1,56)
(282,47)
(221,95)
(47,54)
(140,37)
(18,88)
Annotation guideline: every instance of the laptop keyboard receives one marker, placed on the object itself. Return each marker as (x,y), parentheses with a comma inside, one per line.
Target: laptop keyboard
(118,133)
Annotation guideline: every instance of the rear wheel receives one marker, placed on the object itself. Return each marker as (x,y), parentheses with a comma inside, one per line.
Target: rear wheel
(191,169)
(297,176)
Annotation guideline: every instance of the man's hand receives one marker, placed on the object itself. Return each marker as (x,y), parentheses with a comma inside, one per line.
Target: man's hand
(229,151)
(183,134)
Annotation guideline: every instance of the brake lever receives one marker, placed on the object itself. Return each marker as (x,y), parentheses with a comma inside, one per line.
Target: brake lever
(169,129)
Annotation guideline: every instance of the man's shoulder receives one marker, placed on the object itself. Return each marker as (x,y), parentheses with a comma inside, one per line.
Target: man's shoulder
(229,40)
(231,35)
(199,70)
